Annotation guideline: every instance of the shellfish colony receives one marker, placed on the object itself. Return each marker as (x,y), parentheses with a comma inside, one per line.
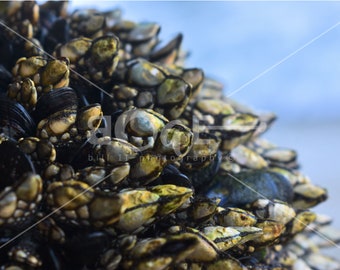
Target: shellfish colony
(114,155)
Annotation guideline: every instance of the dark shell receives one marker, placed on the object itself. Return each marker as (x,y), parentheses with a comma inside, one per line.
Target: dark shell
(171,175)
(5,78)
(15,121)
(6,50)
(78,154)
(85,247)
(18,162)
(59,33)
(202,177)
(243,188)
(169,51)
(63,98)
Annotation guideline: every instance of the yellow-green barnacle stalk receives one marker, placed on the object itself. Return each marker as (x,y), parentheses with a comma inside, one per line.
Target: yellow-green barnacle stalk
(308,195)
(237,217)
(302,178)
(32,47)
(113,175)
(260,145)
(29,257)
(88,23)
(212,109)
(248,233)
(139,208)
(23,11)
(223,237)
(18,202)
(202,209)
(271,231)
(174,93)
(88,120)
(57,126)
(143,255)
(227,237)
(174,141)
(147,168)
(144,122)
(58,172)
(237,129)
(74,50)
(101,60)
(42,151)
(195,77)
(55,74)
(92,175)
(24,92)
(205,250)
(145,74)
(124,96)
(247,158)
(140,127)
(229,166)
(146,253)
(49,228)
(113,151)
(171,197)
(281,157)
(273,210)
(211,89)
(202,152)
(143,37)
(29,68)
(302,221)
(77,203)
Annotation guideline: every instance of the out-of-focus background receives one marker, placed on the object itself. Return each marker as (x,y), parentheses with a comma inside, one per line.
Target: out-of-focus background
(236,42)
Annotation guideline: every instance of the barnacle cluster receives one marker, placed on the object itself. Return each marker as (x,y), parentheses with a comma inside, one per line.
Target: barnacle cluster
(114,155)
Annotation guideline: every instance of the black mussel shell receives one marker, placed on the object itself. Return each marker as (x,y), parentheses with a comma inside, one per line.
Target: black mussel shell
(78,154)
(88,93)
(85,247)
(202,177)
(5,79)
(52,258)
(6,49)
(59,33)
(15,121)
(54,101)
(13,163)
(171,175)
(241,189)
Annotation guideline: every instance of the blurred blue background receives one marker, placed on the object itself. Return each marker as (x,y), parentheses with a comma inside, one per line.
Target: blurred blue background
(236,41)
